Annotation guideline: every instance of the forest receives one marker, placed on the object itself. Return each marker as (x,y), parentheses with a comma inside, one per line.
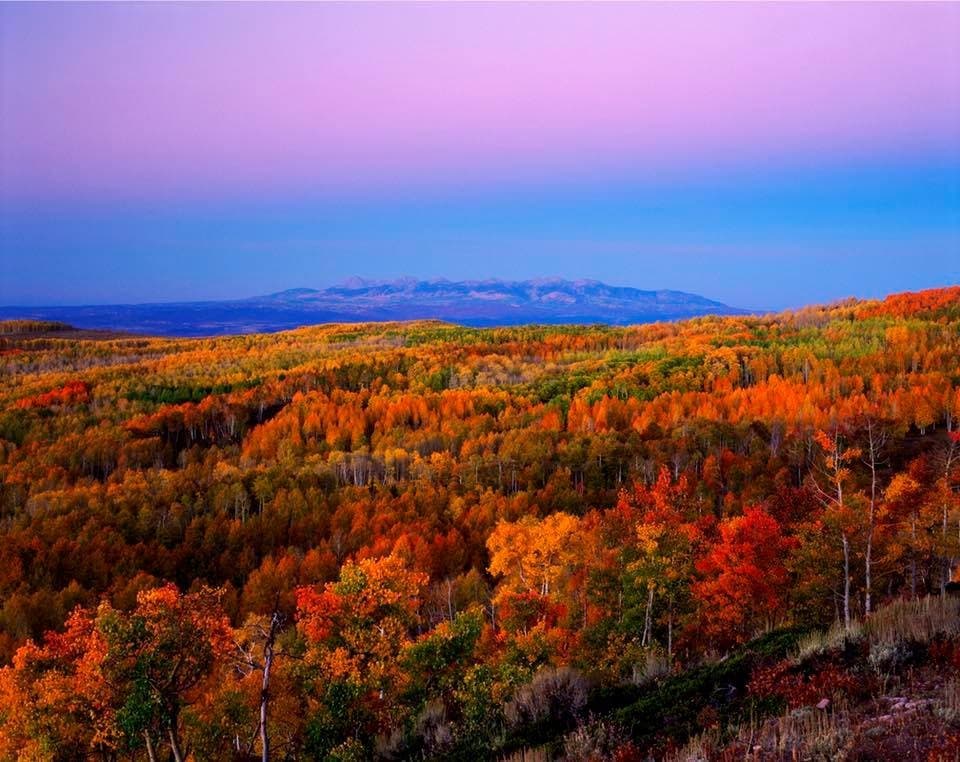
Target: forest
(686,540)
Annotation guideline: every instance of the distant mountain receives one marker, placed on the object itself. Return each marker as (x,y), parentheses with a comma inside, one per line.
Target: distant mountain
(474,303)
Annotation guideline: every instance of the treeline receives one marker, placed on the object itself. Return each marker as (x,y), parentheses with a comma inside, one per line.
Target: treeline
(33,326)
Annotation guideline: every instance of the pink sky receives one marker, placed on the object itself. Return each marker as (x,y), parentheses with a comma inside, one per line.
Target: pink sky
(166,100)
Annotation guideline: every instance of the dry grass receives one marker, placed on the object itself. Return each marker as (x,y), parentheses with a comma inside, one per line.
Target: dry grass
(820,642)
(921,620)
(807,734)
(700,748)
(593,741)
(528,755)
(948,705)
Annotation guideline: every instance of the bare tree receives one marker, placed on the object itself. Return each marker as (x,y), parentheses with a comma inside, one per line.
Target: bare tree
(264,634)
(875,439)
(949,457)
(835,473)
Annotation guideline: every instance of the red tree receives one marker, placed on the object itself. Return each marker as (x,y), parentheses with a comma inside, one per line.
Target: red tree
(744,579)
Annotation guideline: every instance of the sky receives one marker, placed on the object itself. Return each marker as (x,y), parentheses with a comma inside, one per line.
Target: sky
(766,155)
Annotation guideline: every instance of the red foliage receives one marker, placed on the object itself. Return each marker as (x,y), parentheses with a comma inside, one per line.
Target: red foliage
(318,611)
(784,680)
(521,611)
(946,652)
(744,579)
(71,393)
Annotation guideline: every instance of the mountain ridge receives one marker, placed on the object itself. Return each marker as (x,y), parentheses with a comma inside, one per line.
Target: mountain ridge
(478,303)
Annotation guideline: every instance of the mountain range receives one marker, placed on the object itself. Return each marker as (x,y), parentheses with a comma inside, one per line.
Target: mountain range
(474,303)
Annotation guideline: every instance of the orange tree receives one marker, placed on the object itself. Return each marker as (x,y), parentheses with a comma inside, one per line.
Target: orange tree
(356,630)
(161,658)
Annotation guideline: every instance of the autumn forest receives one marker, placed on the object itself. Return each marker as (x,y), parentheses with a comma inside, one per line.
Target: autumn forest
(423,541)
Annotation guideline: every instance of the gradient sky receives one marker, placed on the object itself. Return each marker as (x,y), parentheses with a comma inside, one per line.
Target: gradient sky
(767,155)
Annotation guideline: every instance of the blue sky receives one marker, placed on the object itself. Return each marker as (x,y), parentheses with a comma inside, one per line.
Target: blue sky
(759,241)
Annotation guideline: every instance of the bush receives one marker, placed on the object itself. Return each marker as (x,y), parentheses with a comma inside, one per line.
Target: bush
(550,703)
(436,731)
(594,740)
(553,694)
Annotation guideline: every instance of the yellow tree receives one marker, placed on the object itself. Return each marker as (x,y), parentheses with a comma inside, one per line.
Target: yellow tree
(534,555)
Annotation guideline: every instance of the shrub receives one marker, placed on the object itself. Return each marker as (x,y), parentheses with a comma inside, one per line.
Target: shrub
(436,730)
(554,696)
(595,740)
(890,657)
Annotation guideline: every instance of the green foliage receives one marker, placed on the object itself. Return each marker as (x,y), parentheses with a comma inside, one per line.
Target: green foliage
(339,716)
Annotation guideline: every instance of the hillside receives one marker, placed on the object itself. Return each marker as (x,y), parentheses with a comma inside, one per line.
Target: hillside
(719,538)
(474,303)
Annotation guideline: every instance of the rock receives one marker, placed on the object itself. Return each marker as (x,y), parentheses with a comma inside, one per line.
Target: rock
(823,703)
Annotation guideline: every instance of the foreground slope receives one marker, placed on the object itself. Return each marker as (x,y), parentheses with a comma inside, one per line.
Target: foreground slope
(460,543)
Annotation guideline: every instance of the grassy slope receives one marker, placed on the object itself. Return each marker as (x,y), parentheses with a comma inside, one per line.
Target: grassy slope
(887,689)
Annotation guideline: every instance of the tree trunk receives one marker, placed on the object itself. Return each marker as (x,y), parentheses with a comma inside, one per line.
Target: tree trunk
(947,561)
(151,754)
(947,574)
(268,647)
(913,558)
(670,636)
(846,582)
(868,554)
(175,744)
(648,618)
